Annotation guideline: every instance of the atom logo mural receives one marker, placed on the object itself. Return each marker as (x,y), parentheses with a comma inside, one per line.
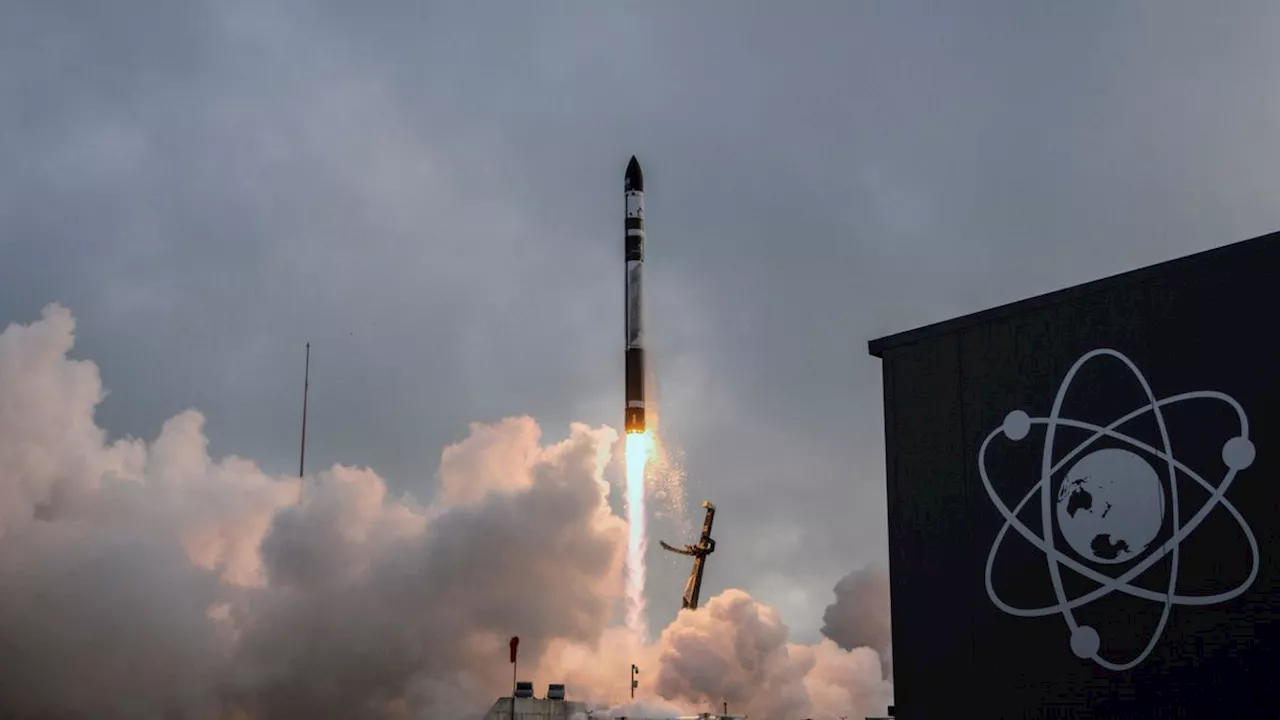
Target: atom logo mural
(1110,507)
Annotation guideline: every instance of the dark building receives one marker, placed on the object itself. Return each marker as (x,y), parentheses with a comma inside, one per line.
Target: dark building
(1082,492)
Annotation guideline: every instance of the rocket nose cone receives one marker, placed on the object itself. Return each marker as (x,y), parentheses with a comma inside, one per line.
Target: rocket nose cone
(635,178)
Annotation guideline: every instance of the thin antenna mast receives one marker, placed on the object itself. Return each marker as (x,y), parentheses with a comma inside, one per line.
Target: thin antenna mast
(306,386)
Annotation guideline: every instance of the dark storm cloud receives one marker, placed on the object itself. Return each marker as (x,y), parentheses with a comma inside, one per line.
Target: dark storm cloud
(429,193)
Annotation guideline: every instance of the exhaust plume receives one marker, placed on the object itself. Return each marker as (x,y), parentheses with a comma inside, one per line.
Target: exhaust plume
(637,463)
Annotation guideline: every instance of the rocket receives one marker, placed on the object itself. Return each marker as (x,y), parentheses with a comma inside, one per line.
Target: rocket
(633,191)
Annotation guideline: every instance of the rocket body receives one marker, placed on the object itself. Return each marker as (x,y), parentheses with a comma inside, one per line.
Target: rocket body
(633,191)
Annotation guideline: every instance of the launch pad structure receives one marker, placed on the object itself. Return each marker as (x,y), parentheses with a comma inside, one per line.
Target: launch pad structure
(706,545)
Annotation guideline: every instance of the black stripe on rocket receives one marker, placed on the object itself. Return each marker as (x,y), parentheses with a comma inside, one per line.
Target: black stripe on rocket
(633,191)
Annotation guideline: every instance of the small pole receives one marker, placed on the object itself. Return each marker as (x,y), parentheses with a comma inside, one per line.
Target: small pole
(515,643)
(634,683)
(306,383)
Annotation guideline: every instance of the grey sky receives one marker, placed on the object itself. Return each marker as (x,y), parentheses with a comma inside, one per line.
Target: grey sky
(430,193)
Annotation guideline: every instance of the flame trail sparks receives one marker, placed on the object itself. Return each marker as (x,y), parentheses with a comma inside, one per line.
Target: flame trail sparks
(637,451)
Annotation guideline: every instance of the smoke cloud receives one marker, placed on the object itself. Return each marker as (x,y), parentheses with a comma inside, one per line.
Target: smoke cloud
(145,579)
(860,615)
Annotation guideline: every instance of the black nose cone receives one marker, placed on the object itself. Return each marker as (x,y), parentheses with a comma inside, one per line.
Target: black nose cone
(635,178)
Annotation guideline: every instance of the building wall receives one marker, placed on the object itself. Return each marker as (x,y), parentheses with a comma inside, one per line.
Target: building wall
(535,709)
(1206,325)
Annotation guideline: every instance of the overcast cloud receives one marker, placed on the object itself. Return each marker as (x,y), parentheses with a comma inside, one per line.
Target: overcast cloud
(430,194)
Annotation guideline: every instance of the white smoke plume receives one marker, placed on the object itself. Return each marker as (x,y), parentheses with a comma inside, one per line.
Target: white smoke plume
(145,579)
(737,650)
(860,615)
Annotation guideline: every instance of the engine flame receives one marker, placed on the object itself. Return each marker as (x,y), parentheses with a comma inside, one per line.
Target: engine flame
(638,450)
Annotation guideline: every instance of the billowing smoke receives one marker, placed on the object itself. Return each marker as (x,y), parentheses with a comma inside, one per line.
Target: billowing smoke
(146,579)
(860,615)
(737,650)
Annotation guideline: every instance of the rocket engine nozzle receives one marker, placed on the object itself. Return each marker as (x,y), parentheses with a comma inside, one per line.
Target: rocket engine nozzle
(633,421)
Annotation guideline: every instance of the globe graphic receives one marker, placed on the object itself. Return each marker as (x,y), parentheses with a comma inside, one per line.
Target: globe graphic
(1110,509)
(1110,506)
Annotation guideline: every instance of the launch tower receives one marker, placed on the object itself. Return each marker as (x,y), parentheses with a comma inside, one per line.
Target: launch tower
(699,553)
